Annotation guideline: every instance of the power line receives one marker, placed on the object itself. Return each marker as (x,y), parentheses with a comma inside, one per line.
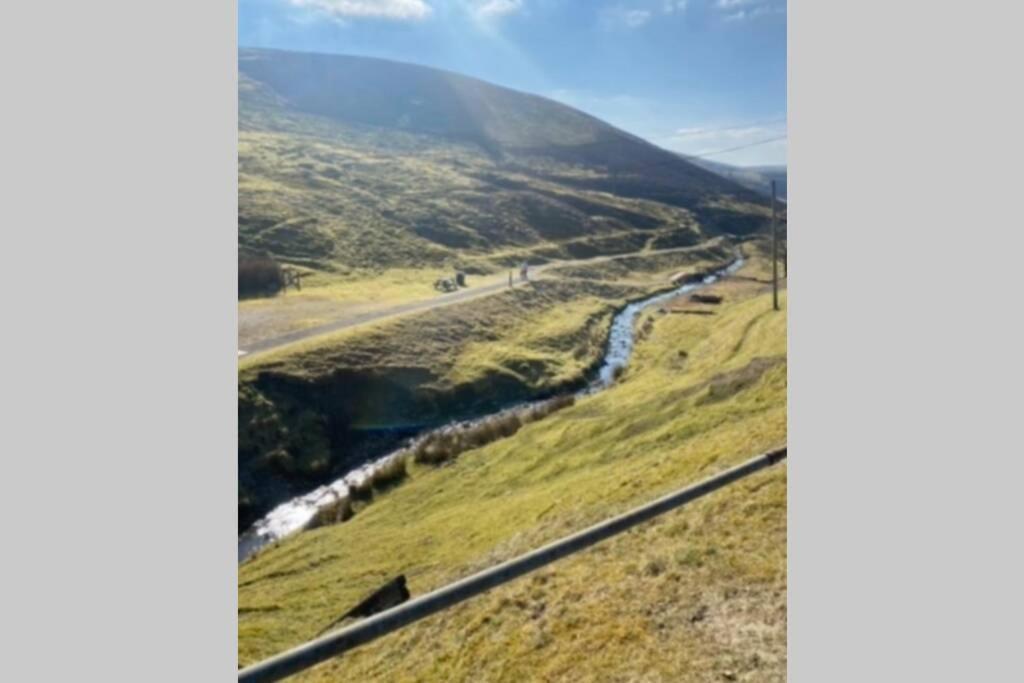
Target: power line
(706,131)
(733,149)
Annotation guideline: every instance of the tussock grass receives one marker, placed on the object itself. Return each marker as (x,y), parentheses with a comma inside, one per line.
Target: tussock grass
(390,473)
(542,410)
(361,490)
(379,480)
(443,446)
(339,511)
(646,328)
(694,596)
(534,340)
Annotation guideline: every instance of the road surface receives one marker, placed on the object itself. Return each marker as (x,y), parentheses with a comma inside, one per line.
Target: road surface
(352,320)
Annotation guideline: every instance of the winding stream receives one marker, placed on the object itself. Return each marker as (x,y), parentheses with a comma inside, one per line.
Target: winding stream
(298,513)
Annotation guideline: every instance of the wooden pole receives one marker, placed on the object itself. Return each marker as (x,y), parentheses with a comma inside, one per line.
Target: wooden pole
(775,255)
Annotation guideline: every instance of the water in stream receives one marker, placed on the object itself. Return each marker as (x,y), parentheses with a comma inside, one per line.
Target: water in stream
(298,513)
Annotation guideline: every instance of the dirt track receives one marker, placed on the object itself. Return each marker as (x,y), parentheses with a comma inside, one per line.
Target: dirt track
(355,319)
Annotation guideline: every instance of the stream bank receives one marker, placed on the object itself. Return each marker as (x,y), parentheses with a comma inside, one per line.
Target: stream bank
(406,393)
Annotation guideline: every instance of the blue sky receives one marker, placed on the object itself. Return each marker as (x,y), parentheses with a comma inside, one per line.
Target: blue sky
(695,76)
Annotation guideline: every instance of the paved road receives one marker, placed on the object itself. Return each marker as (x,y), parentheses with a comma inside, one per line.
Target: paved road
(357,319)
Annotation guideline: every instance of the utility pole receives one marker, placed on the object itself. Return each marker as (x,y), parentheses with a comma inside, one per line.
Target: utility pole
(775,255)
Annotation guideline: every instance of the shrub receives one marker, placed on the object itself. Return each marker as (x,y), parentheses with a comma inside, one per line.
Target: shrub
(504,425)
(560,402)
(259,276)
(434,449)
(655,567)
(645,329)
(362,489)
(443,446)
(338,511)
(390,473)
(281,460)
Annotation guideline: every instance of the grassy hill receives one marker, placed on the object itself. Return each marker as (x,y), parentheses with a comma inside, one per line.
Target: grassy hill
(377,177)
(309,412)
(698,595)
(353,166)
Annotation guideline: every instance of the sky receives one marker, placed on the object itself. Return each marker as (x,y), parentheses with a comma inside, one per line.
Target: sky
(694,76)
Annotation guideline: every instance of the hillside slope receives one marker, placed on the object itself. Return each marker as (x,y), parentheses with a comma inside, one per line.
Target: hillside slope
(349,164)
(757,178)
(309,413)
(699,595)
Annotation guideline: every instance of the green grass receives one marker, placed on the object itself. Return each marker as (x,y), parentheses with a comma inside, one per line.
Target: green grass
(558,345)
(365,215)
(694,596)
(425,368)
(413,370)
(374,211)
(360,288)
(533,319)
(561,318)
(325,297)
(328,297)
(428,170)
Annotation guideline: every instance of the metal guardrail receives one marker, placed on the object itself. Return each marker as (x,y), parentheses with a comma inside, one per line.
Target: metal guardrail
(316,651)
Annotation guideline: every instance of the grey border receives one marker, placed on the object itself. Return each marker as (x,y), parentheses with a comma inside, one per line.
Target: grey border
(904,471)
(119,401)
(118,392)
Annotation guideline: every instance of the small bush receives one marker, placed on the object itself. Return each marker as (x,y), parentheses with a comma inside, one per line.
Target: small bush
(390,473)
(560,402)
(338,511)
(645,329)
(443,446)
(655,567)
(436,448)
(259,276)
(361,490)
(281,460)
(342,509)
(506,425)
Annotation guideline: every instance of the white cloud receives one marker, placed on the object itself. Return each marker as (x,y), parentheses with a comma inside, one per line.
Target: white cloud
(594,102)
(398,10)
(690,134)
(492,9)
(729,133)
(672,6)
(619,17)
(637,17)
(738,10)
